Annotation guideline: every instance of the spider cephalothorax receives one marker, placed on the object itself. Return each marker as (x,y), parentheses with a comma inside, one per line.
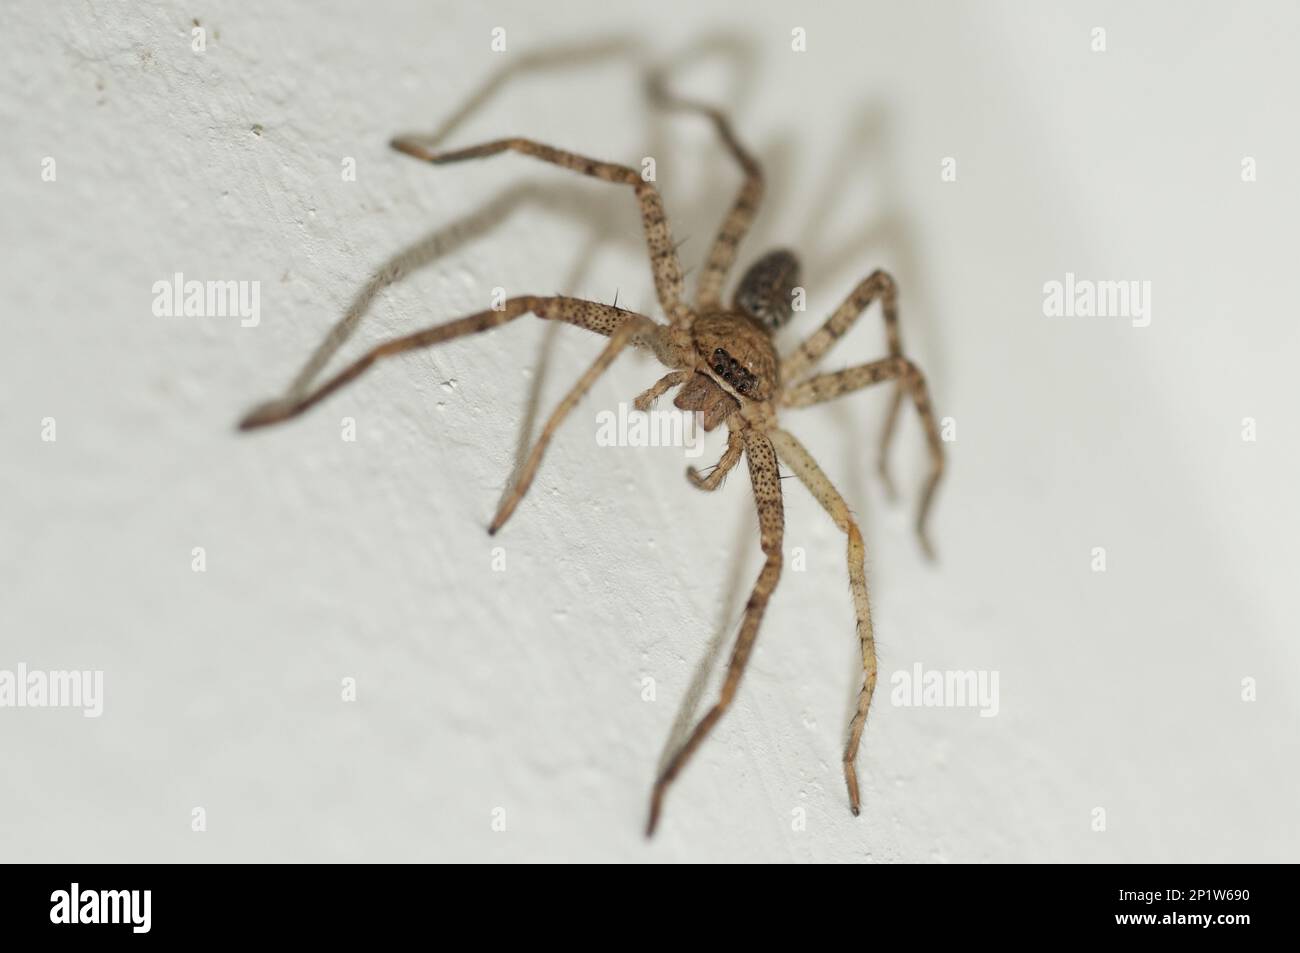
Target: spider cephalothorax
(737,358)
(738,351)
(723,364)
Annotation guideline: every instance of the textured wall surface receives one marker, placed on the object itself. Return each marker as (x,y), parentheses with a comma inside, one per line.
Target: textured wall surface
(521,694)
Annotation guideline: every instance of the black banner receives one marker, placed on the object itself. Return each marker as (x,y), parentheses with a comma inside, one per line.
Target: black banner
(174,902)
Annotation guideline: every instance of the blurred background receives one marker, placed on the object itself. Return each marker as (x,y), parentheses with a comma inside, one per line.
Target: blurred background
(514,695)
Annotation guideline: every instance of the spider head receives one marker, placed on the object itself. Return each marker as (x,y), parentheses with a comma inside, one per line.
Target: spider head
(737,349)
(767,289)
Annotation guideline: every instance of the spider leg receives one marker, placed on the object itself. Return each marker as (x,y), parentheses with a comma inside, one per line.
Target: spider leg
(664,264)
(792,452)
(824,387)
(771,523)
(730,457)
(591,315)
(628,331)
(879,284)
(735,446)
(722,254)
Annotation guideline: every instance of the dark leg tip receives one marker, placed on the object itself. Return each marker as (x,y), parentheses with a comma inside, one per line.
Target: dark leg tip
(271,412)
(653,821)
(407,147)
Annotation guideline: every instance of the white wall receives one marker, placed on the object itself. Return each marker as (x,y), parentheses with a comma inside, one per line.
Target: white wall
(522,689)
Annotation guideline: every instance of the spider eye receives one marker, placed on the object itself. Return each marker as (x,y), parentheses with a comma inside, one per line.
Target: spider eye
(719,369)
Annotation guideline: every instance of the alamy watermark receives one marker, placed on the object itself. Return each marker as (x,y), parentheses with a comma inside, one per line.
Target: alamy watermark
(208,299)
(1084,298)
(651,428)
(20,688)
(75,905)
(945,688)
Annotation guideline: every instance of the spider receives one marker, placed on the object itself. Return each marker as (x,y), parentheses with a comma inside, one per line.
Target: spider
(724,364)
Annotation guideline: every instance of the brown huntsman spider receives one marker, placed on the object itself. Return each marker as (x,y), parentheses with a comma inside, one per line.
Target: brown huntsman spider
(724,365)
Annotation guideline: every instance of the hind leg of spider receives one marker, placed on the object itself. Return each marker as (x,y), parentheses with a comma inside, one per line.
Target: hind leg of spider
(771,523)
(722,253)
(664,263)
(792,453)
(824,387)
(879,284)
(636,328)
(590,315)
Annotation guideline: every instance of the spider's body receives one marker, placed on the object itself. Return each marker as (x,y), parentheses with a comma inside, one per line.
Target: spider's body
(724,364)
(737,364)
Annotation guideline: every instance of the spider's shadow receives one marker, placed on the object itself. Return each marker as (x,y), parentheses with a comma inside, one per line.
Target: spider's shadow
(572,199)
